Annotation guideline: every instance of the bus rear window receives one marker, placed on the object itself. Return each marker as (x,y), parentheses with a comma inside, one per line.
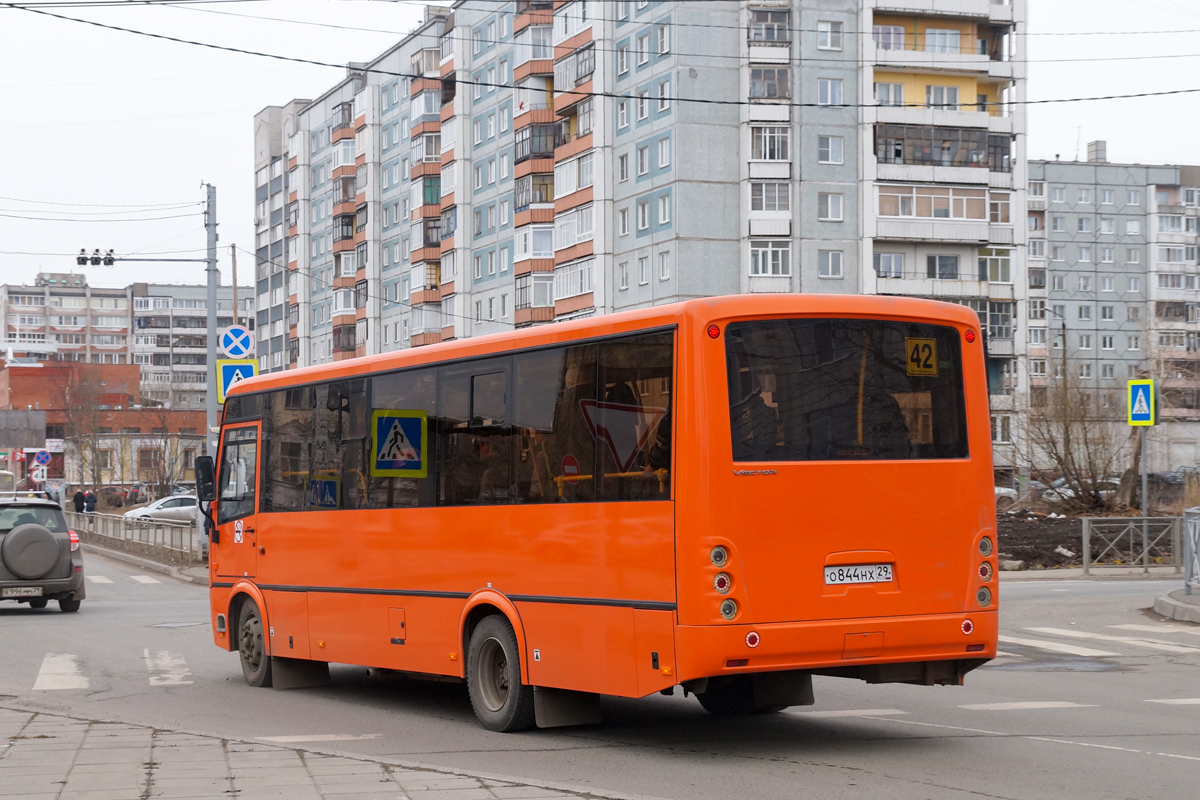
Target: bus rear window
(844,389)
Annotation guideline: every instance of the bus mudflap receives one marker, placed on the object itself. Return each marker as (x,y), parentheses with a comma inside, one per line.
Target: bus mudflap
(557,708)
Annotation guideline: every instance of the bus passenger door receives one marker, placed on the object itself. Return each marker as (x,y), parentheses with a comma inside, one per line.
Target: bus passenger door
(235,554)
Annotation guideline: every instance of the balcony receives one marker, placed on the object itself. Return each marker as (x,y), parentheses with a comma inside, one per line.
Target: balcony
(534,141)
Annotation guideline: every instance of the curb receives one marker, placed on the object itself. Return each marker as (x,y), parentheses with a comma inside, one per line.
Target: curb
(144,563)
(1175,609)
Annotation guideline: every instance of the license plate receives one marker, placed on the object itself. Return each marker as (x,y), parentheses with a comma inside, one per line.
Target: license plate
(869,573)
(22,591)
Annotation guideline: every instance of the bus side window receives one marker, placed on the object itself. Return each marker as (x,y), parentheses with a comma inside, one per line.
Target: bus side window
(555,460)
(474,438)
(408,391)
(287,445)
(631,418)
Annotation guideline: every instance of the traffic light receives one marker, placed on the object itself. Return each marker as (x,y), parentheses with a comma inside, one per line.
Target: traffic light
(108,258)
(96,257)
(82,259)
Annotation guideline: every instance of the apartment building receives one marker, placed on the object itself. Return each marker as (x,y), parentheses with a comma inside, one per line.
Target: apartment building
(161,327)
(170,338)
(1113,292)
(61,317)
(516,164)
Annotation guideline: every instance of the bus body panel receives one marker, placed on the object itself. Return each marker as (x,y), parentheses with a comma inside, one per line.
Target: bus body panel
(602,591)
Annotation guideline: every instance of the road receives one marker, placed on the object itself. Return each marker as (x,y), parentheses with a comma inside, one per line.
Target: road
(1094,696)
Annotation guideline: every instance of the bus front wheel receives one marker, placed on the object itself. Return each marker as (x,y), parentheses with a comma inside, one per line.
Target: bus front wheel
(501,702)
(252,647)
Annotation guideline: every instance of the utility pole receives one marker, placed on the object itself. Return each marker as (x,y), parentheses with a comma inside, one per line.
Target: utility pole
(233,262)
(214,279)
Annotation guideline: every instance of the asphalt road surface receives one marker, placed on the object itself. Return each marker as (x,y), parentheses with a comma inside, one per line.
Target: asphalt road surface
(1094,696)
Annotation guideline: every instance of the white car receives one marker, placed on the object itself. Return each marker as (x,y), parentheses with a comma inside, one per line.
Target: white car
(175,508)
(1005,498)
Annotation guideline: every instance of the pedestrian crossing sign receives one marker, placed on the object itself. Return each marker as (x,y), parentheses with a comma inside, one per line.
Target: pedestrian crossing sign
(1141,406)
(323,493)
(231,371)
(399,444)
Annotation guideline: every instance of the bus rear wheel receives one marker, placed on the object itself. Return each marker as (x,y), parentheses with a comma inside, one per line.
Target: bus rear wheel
(501,702)
(252,647)
(733,698)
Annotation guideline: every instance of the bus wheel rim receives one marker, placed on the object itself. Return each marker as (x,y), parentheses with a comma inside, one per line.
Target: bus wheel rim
(493,675)
(251,644)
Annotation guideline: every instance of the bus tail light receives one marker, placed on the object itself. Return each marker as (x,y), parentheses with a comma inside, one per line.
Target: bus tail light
(714,331)
(969,336)
(722,582)
(985,571)
(984,596)
(968,627)
(729,608)
(752,639)
(74,541)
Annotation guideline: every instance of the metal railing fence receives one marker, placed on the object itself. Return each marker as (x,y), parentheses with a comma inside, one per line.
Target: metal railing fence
(1132,541)
(1191,549)
(168,542)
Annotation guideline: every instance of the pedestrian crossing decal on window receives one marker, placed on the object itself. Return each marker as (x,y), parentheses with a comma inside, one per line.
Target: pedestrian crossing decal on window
(398,444)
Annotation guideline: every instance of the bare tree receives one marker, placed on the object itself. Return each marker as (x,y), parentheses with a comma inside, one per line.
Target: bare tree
(80,389)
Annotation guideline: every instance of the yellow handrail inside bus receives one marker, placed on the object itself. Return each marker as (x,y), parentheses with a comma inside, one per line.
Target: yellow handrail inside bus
(661,474)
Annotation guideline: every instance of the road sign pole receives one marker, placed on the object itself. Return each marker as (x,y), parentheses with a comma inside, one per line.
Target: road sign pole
(1145,507)
(214,279)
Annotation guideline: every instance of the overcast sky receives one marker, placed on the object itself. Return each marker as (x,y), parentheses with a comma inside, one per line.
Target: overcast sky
(94,116)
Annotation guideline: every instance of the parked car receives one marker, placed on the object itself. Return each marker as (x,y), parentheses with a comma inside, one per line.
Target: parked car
(40,558)
(111,496)
(1005,498)
(138,493)
(173,508)
(1060,492)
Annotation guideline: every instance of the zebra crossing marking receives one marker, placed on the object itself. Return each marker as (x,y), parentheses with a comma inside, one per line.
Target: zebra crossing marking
(166,668)
(98,579)
(1152,644)
(145,579)
(1058,647)
(1026,705)
(60,671)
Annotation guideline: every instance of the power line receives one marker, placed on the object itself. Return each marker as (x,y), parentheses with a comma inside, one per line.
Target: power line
(68,219)
(616,95)
(75,254)
(329,285)
(791,60)
(87,213)
(102,205)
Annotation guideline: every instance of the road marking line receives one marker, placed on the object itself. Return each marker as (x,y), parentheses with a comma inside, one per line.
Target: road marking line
(59,671)
(1028,705)
(1172,755)
(1178,701)
(1153,644)
(167,669)
(1084,744)
(144,579)
(948,727)
(318,737)
(1057,647)
(1158,629)
(853,712)
(1005,654)
(98,579)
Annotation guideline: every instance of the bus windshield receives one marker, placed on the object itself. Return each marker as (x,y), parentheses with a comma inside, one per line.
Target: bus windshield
(844,389)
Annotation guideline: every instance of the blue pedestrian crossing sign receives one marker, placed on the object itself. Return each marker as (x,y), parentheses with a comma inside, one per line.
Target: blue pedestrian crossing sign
(236,341)
(232,371)
(398,444)
(323,493)
(1141,406)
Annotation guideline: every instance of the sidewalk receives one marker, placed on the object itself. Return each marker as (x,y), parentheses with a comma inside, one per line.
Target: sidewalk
(51,755)
(1096,574)
(1179,606)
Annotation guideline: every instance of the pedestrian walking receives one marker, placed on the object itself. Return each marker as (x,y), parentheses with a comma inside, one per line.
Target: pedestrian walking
(90,502)
(80,500)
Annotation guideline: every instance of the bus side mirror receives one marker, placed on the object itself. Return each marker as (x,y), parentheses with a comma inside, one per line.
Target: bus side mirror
(206,480)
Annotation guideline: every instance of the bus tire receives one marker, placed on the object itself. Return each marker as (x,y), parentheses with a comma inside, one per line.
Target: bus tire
(501,702)
(733,698)
(252,646)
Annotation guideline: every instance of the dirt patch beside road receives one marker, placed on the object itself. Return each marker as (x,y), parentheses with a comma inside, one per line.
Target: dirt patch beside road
(1032,538)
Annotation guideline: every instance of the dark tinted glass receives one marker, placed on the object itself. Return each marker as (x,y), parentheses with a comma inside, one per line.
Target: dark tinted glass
(46,516)
(242,408)
(414,394)
(631,418)
(236,487)
(844,389)
(287,449)
(474,442)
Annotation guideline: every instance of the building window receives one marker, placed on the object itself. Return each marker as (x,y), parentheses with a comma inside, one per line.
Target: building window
(623,59)
(664,39)
(664,266)
(623,275)
(769,26)
(1106,342)
(623,222)
(889,265)
(829,207)
(664,96)
(995,265)
(770,258)
(770,143)
(942,267)
(622,168)
(829,36)
(829,149)
(664,209)
(623,114)
(889,94)
(1085,341)
(944,97)
(1001,426)
(1106,197)
(643,270)
(664,152)
(643,213)
(829,263)
(1085,313)
(643,105)
(643,49)
(1084,224)
(1133,198)
(770,196)
(829,91)
(643,160)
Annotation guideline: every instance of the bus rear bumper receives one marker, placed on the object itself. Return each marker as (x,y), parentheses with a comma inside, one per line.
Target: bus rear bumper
(850,648)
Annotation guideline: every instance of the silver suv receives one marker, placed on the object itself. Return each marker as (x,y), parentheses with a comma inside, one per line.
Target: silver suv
(40,559)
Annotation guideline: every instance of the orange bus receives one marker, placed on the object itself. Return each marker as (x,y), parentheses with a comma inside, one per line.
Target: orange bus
(730,494)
